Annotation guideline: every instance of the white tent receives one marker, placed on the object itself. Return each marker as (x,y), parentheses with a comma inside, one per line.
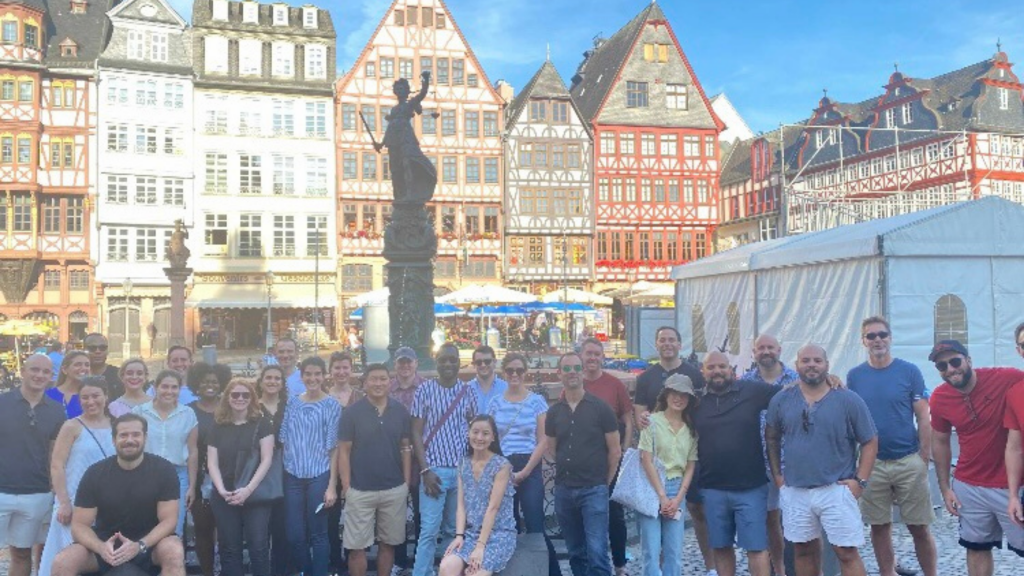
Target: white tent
(486,294)
(577,295)
(950,272)
(377,297)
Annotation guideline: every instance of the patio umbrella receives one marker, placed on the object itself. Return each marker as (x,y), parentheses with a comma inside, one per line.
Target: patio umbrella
(575,295)
(19,328)
(486,294)
(440,311)
(377,297)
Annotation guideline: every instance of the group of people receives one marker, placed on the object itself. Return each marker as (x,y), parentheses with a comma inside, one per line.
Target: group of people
(308,468)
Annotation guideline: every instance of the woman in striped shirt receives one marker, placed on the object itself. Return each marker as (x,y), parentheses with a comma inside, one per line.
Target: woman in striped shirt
(309,434)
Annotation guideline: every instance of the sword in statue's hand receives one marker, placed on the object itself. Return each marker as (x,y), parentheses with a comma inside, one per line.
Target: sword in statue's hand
(376,145)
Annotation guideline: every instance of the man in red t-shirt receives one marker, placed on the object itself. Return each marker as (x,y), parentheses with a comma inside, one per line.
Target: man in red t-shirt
(1014,422)
(974,403)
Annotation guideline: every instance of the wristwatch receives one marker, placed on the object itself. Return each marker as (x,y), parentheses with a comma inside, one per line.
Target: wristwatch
(143,548)
(862,483)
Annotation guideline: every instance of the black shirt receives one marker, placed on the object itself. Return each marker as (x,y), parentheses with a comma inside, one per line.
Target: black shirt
(652,381)
(126,500)
(205,427)
(729,436)
(115,389)
(581,453)
(277,418)
(234,442)
(376,457)
(25,437)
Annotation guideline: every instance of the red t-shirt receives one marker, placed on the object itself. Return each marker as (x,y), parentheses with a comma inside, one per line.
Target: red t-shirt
(978,419)
(613,392)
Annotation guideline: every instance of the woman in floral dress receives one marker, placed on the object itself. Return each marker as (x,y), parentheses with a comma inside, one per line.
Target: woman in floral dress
(485,530)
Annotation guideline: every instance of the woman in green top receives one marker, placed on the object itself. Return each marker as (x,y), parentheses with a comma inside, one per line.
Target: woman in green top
(671,439)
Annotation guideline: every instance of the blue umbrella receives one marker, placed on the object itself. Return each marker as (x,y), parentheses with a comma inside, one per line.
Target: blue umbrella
(574,307)
(440,311)
(531,306)
(496,311)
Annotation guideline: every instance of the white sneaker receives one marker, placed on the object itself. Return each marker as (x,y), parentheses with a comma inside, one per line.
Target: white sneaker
(712,572)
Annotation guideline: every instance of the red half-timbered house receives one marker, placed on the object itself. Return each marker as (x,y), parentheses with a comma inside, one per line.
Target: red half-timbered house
(656,151)
(47,148)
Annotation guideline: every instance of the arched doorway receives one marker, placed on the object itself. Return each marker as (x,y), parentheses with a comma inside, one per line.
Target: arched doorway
(116,330)
(162,322)
(78,325)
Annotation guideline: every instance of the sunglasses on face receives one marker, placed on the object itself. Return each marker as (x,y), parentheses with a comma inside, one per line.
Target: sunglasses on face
(96,348)
(515,371)
(240,396)
(943,364)
(872,335)
(483,362)
(572,368)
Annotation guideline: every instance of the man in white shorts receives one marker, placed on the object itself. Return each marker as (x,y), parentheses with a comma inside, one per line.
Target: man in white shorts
(29,423)
(822,428)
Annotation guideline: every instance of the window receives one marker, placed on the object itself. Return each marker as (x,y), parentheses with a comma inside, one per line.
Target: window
(627,143)
(158,47)
(560,112)
(636,94)
(284,236)
(215,54)
(387,67)
(691,146)
(491,170)
(490,124)
(136,45)
(216,173)
(647,145)
(284,175)
(6,155)
(51,215)
(558,156)
(145,190)
(448,122)
(700,244)
(117,189)
(472,80)
(348,117)
(572,156)
(250,235)
(174,192)
(440,19)
(472,124)
(283,59)
(472,170)
(250,174)
(449,172)
(349,166)
(400,17)
(78,279)
(688,191)
(890,118)
(145,245)
(7,90)
(1004,99)
(700,343)
(316,176)
(369,166)
(24,149)
(173,141)
(220,10)
(426,64)
(316,235)
(429,121)
(676,97)
(145,93)
(538,111)
(907,113)
(250,121)
(145,140)
(280,15)
(656,53)
(370,69)
(709,146)
(442,71)
(250,12)
(26,91)
(607,143)
(385,112)
(645,190)
(534,250)
(669,145)
(117,137)
(316,119)
(357,277)
(428,16)
(458,72)
(350,217)
(951,319)
(174,95)
(540,155)
(217,233)
(250,57)
(702,192)
(309,17)
(283,118)
(117,245)
(405,68)
(10,32)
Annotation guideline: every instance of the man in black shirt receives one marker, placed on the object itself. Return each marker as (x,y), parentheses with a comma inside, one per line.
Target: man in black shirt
(583,433)
(126,510)
(732,472)
(97,347)
(375,463)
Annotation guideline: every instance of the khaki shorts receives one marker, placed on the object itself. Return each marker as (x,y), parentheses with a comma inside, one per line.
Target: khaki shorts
(903,483)
(383,508)
(24,519)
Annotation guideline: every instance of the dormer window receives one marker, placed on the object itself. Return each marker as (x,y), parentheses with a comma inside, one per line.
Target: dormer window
(68,48)
(280,15)
(220,10)
(31,35)
(309,14)
(907,113)
(250,12)
(1004,99)
(79,6)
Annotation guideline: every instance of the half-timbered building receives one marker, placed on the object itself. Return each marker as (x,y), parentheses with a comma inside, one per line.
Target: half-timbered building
(264,165)
(923,142)
(459,130)
(145,167)
(656,151)
(48,161)
(549,200)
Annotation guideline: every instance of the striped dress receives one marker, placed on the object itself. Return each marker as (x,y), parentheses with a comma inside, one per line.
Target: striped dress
(309,432)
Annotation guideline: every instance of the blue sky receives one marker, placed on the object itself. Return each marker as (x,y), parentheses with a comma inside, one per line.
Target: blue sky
(772,57)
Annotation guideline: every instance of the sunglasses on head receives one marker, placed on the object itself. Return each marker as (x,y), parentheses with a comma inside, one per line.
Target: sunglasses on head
(96,348)
(515,371)
(943,364)
(483,362)
(572,368)
(240,396)
(872,335)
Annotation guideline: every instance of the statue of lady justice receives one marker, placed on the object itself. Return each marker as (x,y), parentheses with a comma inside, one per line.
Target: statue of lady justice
(413,176)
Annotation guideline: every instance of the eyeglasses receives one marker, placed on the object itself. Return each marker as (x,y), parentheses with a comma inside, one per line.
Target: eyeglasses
(32,417)
(807,420)
(1020,345)
(943,364)
(872,335)
(483,362)
(96,348)
(240,396)
(572,368)
(515,371)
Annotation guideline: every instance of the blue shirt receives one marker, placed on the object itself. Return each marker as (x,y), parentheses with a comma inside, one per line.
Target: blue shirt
(890,394)
(294,383)
(25,437)
(72,408)
(821,440)
(57,358)
(309,432)
(185,395)
(788,376)
(483,399)
(517,422)
(448,437)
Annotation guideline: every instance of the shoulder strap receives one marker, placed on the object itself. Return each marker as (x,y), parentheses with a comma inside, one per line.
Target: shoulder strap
(447,414)
(94,438)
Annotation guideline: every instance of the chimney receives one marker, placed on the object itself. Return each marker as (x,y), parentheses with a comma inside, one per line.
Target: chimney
(505,90)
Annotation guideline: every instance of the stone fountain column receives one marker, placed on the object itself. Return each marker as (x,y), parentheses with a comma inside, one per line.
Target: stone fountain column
(410,246)
(178,272)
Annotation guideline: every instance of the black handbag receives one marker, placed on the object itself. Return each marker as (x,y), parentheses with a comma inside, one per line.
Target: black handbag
(272,486)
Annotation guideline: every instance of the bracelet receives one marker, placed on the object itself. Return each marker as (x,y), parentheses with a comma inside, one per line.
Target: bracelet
(424,471)
(460,535)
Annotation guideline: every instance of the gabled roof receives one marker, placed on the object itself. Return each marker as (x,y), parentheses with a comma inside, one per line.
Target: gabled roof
(596,75)
(202,17)
(546,83)
(36,4)
(168,10)
(90,31)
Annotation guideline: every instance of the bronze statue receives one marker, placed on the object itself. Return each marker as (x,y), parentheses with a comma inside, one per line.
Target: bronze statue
(413,175)
(177,251)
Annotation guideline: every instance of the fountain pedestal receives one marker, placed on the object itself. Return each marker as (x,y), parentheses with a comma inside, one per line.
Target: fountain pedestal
(410,246)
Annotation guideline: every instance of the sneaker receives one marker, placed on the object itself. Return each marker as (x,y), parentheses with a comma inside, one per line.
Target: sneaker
(712,572)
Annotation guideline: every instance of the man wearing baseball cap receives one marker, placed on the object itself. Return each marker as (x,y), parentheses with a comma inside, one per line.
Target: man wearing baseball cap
(403,387)
(974,402)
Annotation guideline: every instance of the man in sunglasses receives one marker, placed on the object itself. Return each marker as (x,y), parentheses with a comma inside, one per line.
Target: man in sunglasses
(97,347)
(974,402)
(486,385)
(29,423)
(893,390)
(822,428)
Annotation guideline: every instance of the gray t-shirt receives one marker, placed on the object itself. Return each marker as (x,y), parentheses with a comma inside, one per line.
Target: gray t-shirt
(821,440)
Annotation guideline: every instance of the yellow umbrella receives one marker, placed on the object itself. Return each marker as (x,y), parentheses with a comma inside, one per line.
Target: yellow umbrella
(19,328)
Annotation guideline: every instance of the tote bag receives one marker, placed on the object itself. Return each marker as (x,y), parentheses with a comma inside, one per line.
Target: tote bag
(272,486)
(633,489)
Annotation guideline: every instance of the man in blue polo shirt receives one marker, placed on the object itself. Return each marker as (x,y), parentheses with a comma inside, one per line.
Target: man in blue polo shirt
(29,423)
(893,390)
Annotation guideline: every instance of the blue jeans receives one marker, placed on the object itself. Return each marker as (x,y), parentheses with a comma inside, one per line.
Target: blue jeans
(663,538)
(182,491)
(435,512)
(529,502)
(307,530)
(583,516)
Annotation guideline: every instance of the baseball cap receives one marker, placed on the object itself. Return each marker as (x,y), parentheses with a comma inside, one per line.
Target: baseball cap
(405,352)
(947,346)
(680,383)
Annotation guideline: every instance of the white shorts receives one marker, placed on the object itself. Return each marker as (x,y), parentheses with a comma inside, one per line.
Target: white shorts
(805,511)
(24,519)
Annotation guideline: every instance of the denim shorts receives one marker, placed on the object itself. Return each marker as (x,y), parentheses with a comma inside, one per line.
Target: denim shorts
(738,516)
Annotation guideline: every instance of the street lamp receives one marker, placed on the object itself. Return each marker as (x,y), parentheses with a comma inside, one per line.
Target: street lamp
(126,346)
(269,278)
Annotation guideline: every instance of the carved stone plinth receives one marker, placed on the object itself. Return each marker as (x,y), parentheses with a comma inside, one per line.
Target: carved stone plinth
(410,246)
(176,330)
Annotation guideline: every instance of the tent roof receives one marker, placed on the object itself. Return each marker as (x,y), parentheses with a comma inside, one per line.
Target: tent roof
(989,226)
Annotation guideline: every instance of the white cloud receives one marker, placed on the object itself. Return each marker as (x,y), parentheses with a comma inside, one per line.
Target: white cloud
(369,15)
